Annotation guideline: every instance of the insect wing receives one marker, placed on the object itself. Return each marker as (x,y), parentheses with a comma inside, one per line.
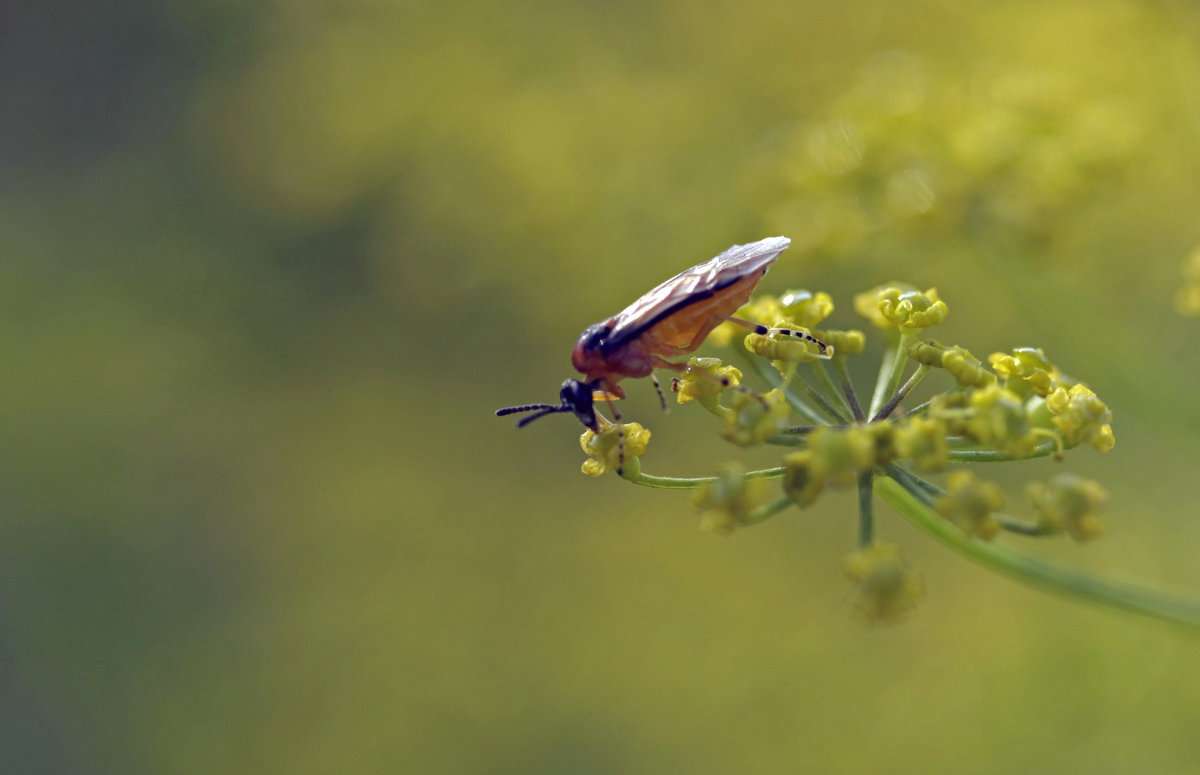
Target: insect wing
(691,285)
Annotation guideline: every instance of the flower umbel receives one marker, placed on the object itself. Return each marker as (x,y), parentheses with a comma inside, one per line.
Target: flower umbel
(1015,407)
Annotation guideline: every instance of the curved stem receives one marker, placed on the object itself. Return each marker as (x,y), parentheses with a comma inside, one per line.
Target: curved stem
(926,491)
(763,513)
(691,483)
(1039,573)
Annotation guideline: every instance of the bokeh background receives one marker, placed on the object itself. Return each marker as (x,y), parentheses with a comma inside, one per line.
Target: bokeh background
(269,267)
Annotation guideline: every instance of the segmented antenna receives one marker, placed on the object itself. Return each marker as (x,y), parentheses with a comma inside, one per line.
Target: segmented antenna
(541,409)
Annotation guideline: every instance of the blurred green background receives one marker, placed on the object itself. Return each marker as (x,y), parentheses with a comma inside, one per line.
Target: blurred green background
(269,267)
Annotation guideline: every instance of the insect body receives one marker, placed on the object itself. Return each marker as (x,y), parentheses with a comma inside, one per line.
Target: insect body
(671,320)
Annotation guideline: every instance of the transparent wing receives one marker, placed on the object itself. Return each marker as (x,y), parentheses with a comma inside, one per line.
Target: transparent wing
(691,285)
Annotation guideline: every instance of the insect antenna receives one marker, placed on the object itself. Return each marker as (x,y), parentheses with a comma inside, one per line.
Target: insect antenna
(541,411)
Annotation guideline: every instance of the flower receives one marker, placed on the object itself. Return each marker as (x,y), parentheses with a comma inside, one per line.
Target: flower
(729,499)
(616,447)
(923,441)
(753,419)
(704,380)
(1069,502)
(1081,417)
(1026,370)
(868,303)
(969,503)
(996,417)
(887,589)
(834,457)
(911,309)
(804,308)
(778,345)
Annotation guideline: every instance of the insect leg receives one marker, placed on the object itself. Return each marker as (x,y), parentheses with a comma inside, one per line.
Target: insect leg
(662,399)
(620,434)
(762,330)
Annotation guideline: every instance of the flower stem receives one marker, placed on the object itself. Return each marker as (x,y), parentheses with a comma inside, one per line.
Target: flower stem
(691,483)
(866,514)
(763,513)
(772,378)
(1043,449)
(1039,573)
(900,394)
(822,373)
(848,389)
(892,360)
(816,397)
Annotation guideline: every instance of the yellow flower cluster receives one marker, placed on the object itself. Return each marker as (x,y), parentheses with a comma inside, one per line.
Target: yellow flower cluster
(729,499)
(833,458)
(704,380)
(971,503)
(616,446)
(886,588)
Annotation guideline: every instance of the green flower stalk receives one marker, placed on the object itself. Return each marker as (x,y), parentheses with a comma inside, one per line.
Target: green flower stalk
(1007,408)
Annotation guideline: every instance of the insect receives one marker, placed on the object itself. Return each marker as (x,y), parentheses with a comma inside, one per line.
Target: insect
(671,320)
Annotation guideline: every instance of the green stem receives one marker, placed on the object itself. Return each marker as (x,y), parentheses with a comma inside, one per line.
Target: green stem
(691,483)
(839,364)
(1043,449)
(866,514)
(901,361)
(927,491)
(892,359)
(763,513)
(817,398)
(1039,573)
(822,373)
(900,394)
(772,378)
